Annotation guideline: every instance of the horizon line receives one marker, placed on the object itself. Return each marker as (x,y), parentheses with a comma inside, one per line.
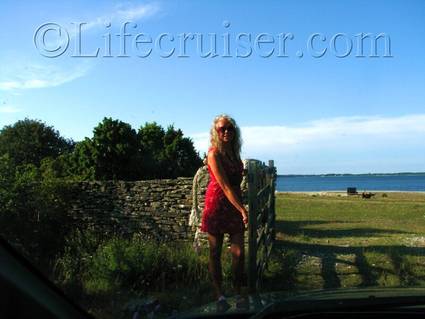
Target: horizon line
(322,174)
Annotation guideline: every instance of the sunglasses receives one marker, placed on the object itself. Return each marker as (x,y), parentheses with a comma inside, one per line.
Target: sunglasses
(223,129)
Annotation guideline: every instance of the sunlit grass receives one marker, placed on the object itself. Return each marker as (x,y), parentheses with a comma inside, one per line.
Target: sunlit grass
(342,241)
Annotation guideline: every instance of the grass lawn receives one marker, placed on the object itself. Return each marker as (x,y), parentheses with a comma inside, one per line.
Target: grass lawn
(330,241)
(323,241)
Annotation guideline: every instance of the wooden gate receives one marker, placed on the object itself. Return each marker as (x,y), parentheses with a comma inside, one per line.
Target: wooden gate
(261,227)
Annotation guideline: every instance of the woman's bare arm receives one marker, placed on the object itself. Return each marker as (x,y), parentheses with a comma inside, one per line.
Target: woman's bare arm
(221,177)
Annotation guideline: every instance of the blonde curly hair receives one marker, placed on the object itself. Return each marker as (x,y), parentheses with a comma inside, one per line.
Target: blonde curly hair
(237,139)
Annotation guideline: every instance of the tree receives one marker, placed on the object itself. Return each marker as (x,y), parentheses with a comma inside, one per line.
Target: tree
(167,154)
(7,175)
(81,163)
(151,141)
(29,141)
(34,210)
(180,156)
(115,151)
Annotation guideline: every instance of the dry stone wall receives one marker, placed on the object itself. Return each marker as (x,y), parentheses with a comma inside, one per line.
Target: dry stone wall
(155,209)
(152,209)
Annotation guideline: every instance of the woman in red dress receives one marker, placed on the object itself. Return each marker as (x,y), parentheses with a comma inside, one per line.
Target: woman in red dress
(224,211)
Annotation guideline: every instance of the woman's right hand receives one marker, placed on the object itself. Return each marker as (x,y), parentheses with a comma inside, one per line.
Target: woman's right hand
(244,214)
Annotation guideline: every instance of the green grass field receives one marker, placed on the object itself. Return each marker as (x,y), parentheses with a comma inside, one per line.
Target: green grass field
(335,241)
(322,241)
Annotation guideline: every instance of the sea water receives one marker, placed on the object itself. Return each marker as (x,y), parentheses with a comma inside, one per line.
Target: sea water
(403,183)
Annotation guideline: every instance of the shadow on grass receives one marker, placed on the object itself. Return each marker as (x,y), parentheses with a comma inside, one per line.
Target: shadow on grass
(294,228)
(290,254)
(329,273)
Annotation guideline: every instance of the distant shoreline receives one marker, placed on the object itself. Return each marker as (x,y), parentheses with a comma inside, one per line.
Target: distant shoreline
(349,174)
(345,192)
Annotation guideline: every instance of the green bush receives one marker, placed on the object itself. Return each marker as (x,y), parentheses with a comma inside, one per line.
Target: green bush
(33,215)
(141,265)
(80,245)
(100,267)
(93,270)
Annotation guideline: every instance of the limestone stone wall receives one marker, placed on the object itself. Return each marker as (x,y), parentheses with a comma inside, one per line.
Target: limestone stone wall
(153,209)
(156,209)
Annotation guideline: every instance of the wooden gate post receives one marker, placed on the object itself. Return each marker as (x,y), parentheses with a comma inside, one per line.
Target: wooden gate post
(272,169)
(261,188)
(252,225)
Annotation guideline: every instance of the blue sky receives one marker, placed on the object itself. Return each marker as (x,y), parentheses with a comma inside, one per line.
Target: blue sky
(310,114)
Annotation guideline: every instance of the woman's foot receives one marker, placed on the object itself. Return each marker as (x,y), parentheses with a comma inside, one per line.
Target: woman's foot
(222,304)
(242,302)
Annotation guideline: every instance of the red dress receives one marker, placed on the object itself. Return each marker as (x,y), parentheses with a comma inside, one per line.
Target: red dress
(219,215)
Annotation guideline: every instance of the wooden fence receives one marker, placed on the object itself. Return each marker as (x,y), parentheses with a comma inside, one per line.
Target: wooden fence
(261,227)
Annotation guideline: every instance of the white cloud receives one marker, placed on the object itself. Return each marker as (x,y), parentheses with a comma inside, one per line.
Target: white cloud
(122,13)
(325,143)
(319,133)
(23,75)
(337,132)
(137,12)
(9,109)
(35,76)
(201,141)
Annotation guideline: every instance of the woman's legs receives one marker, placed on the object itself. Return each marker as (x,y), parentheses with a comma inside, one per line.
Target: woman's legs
(216,243)
(238,255)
